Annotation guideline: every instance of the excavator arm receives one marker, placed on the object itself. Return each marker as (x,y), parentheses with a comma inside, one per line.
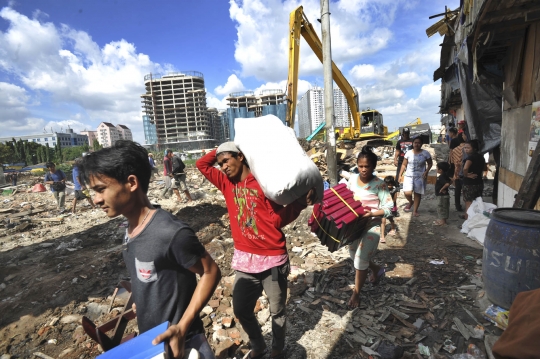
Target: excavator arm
(300,26)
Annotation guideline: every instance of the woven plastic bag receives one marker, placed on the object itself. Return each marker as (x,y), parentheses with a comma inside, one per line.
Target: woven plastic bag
(280,165)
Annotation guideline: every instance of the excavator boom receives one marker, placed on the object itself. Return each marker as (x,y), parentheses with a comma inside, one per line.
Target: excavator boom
(300,26)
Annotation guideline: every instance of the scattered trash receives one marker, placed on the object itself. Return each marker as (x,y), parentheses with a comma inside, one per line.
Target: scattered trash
(449,346)
(497,316)
(424,350)
(436,262)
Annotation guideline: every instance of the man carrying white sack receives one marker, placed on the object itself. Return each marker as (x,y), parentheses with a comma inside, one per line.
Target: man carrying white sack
(260,253)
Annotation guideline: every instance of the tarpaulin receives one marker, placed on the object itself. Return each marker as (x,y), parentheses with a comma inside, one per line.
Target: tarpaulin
(482,104)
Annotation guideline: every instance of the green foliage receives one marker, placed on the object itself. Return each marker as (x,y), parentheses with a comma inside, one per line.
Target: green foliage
(190,163)
(47,153)
(7,154)
(66,168)
(96,146)
(71,153)
(39,173)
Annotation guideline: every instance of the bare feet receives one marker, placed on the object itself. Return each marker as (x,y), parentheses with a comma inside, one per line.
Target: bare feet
(354,302)
(382,240)
(416,214)
(440,222)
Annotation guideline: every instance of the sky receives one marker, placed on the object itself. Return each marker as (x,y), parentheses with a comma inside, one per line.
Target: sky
(77,63)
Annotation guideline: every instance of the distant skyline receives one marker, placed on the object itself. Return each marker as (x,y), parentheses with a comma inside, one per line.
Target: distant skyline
(73,63)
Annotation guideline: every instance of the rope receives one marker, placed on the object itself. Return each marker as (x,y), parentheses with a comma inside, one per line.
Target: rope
(342,200)
(328,234)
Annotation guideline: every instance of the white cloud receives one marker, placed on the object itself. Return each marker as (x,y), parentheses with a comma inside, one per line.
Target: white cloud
(263,27)
(233,85)
(67,64)
(213,101)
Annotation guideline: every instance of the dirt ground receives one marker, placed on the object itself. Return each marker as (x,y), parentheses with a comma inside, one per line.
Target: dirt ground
(53,273)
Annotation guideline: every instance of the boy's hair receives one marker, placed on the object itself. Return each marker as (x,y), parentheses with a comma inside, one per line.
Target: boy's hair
(123,159)
(444,166)
(475,144)
(389,180)
(50,164)
(453,130)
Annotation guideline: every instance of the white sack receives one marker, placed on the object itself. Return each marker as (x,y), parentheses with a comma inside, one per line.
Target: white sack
(280,165)
(476,225)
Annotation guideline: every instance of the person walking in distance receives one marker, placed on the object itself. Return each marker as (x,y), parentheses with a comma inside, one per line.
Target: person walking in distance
(402,147)
(168,176)
(81,192)
(57,181)
(179,175)
(162,254)
(154,170)
(414,170)
(260,256)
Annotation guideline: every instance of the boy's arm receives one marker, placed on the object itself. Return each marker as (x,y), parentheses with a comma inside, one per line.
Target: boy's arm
(205,164)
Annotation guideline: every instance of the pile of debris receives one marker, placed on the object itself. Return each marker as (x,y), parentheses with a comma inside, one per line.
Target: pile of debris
(53,272)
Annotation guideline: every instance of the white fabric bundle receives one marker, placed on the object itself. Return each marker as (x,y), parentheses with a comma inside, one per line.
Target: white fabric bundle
(280,165)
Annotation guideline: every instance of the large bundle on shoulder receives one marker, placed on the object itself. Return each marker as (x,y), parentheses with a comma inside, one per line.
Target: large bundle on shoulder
(280,165)
(338,220)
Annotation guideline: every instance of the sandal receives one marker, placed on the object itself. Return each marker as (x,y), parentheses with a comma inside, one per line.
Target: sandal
(380,274)
(382,240)
(416,214)
(260,356)
(407,208)
(437,223)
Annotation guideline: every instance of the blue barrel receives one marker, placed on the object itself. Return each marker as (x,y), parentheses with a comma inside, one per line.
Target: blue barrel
(511,260)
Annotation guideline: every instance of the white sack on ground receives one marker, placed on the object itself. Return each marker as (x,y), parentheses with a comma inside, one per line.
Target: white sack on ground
(476,225)
(277,161)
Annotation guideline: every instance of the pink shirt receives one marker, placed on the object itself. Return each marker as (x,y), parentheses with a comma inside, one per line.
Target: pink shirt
(256,263)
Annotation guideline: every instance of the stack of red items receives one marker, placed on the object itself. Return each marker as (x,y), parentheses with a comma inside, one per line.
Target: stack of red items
(338,220)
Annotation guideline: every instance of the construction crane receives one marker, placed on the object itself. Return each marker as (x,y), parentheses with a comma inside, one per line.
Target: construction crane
(365,124)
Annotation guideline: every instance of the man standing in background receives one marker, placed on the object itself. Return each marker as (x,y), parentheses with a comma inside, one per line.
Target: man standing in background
(402,146)
(57,181)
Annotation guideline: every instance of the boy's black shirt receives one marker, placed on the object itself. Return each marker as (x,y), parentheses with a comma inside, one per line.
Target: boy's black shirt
(441,181)
(158,259)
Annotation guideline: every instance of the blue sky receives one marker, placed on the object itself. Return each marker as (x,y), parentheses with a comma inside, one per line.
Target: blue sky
(77,63)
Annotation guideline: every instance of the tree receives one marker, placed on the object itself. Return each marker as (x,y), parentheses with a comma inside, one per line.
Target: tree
(6,153)
(95,145)
(47,153)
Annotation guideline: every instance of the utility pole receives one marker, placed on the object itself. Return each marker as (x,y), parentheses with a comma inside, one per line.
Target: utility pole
(328,93)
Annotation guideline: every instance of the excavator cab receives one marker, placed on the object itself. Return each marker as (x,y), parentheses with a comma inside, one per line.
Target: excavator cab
(372,122)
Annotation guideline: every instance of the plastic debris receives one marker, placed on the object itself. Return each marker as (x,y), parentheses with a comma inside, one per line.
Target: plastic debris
(436,262)
(497,315)
(449,346)
(422,349)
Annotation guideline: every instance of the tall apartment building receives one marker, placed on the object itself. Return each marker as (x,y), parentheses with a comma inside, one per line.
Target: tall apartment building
(176,104)
(92,135)
(66,139)
(124,132)
(248,104)
(310,110)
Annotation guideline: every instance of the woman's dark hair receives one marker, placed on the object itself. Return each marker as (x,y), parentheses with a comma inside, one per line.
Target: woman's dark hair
(390,181)
(453,130)
(123,159)
(419,138)
(475,145)
(367,153)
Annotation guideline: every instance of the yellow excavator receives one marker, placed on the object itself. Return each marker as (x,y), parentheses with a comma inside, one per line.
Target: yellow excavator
(364,124)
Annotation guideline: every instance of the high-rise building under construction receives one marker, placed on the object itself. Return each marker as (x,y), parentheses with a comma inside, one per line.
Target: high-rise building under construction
(176,104)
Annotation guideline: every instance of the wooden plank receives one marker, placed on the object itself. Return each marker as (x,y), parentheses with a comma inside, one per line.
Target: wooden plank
(529,192)
(536,73)
(526,92)
(27,213)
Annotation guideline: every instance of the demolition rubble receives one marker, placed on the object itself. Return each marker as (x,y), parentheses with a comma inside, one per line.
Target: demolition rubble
(56,268)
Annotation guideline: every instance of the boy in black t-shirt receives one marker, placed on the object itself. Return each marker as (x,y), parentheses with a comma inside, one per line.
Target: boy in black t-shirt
(162,254)
(441,191)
